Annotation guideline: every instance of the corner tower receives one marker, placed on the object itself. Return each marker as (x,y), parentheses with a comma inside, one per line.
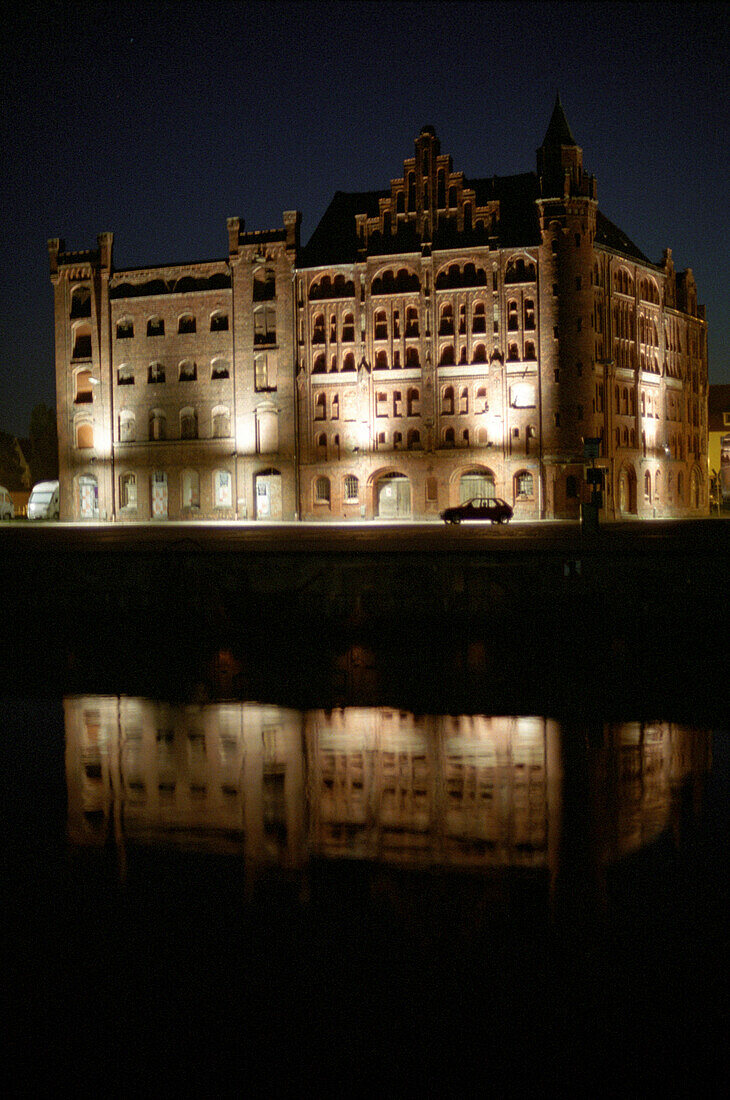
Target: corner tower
(567,205)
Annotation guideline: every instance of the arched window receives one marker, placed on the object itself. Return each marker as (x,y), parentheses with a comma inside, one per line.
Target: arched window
(187,371)
(446,324)
(513,353)
(84,391)
(479,319)
(155,326)
(221,422)
(512,316)
(647,487)
(264,284)
(464,400)
(352,489)
(222,491)
(320,406)
(155,373)
(219,369)
(190,489)
(413,402)
(413,439)
(82,342)
(186,323)
(322,490)
(127,427)
(318,329)
(412,357)
(125,329)
(529,313)
(449,437)
(479,354)
(447,401)
(411,321)
(349,362)
(320,365)
(188,423)
(381,325)
(529,350)
(84,436)
(158,425)
(128,491)
(381,360)
(524,485)
(264,325)
(348,329)
(219,321)
(447,356)
(482,437)
(80,302)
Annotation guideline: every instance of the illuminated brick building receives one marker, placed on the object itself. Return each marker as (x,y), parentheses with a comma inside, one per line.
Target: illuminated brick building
(441,339)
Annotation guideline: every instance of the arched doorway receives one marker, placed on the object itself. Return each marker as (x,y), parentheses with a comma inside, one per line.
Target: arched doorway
(694,482)
(88,497)
(476,483)
(627,491)
(268,495)
(393,496)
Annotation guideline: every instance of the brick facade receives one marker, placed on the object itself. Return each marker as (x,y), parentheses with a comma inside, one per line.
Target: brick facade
(441,339)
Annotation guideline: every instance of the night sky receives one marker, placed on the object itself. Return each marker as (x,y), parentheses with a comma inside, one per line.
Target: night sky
(158,121)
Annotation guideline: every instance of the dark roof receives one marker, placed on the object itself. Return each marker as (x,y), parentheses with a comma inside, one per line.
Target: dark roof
(612,237)
(335,238)
(558,131)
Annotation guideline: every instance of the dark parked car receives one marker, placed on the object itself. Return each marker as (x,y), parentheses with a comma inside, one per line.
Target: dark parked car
(491,508)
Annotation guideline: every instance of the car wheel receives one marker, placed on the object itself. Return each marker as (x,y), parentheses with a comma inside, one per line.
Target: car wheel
(503,519)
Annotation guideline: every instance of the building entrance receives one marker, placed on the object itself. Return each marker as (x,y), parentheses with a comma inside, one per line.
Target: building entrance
(267,487)
(393,497)
(88,497)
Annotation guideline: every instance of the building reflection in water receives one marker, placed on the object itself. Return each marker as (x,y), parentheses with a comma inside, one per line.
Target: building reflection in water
(279,786)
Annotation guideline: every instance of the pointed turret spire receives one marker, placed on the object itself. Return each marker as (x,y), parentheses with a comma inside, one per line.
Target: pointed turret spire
(558,131)
(559,158)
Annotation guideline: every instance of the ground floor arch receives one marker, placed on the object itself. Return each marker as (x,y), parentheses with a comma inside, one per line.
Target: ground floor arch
(268,494)
(626,495)
(478,481)
(392,496)
(87,496)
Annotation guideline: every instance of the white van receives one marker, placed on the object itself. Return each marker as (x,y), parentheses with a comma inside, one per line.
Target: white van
(44,501)
(7,508)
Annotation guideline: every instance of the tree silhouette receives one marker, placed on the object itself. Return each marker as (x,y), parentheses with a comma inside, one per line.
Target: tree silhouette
(43,444)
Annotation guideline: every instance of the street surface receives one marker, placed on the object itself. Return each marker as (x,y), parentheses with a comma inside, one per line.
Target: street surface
(370,536)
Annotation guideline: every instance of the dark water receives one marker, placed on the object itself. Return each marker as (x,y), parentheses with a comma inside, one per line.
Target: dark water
(199,892)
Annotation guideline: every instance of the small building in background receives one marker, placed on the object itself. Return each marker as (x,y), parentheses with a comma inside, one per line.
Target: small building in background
(718,445)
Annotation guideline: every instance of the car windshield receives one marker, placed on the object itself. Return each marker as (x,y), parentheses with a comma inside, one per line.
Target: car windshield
(42,498)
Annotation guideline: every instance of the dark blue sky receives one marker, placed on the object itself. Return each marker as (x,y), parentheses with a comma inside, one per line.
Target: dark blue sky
(157,121)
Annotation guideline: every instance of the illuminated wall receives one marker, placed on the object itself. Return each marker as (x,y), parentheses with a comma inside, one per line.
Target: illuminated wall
(441,339)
